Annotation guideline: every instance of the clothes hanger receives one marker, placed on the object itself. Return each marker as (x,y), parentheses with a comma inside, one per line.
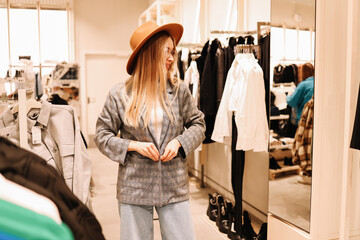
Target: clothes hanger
(30,104)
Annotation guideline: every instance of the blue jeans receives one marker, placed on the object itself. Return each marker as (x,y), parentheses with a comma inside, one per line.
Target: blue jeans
(137,221)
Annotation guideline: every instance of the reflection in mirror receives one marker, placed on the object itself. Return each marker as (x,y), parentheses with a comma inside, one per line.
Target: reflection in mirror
(291,109)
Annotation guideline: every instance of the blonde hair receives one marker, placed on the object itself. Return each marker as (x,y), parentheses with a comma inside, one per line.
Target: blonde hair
(148,81)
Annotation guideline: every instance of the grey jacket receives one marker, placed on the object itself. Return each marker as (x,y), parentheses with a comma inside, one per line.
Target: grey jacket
(142,181)
(60,143)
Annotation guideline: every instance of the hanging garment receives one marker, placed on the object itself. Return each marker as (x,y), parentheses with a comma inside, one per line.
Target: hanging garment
(237,177)
(284,74)
(280,98)
(244,95)
(192,77)
(264,62)
(31,171)
(208,90)
(26,198)
(220,74)
(302,146)
(26,224)
(54,134)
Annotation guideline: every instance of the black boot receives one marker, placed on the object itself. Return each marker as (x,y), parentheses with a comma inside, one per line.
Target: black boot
(220,206)
(232,234)
(288,162)
(212,210)
(273,164)
(263,232)
(222,221)
(247,229)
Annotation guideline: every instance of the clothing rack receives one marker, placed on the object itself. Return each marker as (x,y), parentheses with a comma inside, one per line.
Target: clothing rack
(248,49)
(232,32)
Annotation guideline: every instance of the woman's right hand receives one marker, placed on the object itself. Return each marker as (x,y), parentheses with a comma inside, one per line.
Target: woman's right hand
(146,149)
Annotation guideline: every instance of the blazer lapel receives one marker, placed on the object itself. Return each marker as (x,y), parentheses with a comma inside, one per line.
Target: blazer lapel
(166,121)
(165,124)
(150,130)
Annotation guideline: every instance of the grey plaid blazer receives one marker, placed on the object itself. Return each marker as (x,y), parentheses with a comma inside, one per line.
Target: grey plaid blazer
(142,181)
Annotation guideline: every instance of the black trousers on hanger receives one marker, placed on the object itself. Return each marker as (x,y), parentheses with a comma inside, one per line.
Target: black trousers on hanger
(237,174)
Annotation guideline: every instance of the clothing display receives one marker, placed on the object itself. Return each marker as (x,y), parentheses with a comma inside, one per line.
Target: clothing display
(31,171)
(285,73)
(244,95)
(54,134)
(142,181)
(302,146)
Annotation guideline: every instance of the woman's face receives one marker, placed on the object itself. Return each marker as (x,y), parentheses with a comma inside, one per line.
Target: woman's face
(169,53)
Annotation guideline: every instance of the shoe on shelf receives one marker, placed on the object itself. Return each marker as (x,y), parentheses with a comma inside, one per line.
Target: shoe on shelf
(273,164)
(288,161)
(212,210)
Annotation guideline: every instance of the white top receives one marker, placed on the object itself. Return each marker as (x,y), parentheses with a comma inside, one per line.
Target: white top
(244,95)
(24,197)
(280,98)
(157,119)
(192,77)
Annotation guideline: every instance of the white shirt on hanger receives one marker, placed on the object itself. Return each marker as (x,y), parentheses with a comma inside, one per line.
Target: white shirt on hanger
(192,77)
(244,95)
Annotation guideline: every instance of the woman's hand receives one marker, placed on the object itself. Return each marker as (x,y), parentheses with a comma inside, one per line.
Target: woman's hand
(146,149)
(171,150)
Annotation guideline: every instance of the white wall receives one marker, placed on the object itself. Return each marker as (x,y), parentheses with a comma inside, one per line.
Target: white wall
(257,11)
(283,13)
(355,154)
(102,32)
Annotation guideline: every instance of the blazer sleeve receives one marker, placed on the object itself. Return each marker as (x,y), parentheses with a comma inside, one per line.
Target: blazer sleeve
(194,123)
(107,127)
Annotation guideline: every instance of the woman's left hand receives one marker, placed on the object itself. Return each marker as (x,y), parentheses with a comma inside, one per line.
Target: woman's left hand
(171,150)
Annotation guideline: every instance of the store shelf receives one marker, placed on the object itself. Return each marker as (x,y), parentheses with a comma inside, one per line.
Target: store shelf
(161,12)
(280,117)
(285,170)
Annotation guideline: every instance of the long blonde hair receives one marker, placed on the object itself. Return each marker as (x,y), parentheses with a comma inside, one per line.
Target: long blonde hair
(148,81)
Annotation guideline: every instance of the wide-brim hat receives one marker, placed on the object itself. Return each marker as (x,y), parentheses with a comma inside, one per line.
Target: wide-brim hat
(145,32)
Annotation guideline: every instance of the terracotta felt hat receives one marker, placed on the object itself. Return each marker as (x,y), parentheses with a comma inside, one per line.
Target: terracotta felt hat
(145,32)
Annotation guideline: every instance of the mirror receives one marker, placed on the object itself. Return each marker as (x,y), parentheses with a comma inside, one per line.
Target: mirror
(292,45)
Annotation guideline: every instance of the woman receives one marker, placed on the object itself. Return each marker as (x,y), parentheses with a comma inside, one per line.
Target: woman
(159,126)
(303,92)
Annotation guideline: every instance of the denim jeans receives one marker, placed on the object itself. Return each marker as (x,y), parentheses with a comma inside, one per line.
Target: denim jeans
(137,221)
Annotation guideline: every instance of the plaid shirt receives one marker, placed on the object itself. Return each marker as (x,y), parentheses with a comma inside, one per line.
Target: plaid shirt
(301,149)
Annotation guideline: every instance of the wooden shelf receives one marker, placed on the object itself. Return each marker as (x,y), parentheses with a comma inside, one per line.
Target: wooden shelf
(280,117)
(160,11)
(285,170)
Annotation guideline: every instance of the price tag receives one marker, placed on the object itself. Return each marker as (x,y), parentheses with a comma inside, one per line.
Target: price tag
(36,135)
